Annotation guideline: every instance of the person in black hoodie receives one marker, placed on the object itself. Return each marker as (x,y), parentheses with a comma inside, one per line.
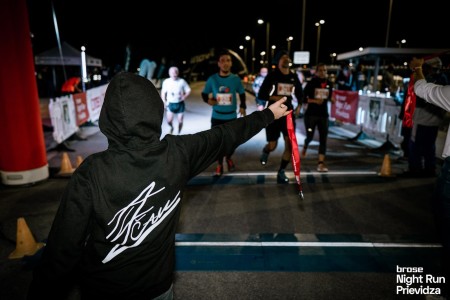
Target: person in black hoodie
(114,232)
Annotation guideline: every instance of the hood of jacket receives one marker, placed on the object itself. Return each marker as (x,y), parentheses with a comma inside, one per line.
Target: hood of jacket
(132,112)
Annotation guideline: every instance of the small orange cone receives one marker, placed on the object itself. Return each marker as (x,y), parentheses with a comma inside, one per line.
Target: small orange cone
(66,165)
(386,167)
(79,160)
(25,242)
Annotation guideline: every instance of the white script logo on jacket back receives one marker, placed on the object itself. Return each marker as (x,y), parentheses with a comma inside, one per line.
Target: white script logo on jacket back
(132,224)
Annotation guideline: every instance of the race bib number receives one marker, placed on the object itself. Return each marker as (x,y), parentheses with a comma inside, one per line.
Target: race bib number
(284,89)
(321,93)
(224,99)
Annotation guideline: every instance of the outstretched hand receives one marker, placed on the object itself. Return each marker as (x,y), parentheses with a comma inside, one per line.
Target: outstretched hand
(279,109)
(415,63)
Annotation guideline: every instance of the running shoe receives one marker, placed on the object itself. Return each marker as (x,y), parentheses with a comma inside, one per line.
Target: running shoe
(219,171)
(264,157)
(281,177)
(230,164)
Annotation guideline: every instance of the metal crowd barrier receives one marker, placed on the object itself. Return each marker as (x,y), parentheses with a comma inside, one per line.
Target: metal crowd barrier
(373,116)
(67,113)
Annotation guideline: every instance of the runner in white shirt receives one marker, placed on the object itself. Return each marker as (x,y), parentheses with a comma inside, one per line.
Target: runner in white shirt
(174,91)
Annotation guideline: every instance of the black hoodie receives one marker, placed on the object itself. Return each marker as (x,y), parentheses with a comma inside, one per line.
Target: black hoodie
(114,231)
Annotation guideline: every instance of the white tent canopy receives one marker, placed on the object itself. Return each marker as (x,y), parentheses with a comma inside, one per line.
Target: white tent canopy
(70,57)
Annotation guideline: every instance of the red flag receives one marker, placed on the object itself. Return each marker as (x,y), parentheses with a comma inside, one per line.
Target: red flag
(410,104)
(295,152)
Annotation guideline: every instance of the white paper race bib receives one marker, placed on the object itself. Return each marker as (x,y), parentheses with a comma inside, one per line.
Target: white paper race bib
(224,99)
(321,93)
(284,89)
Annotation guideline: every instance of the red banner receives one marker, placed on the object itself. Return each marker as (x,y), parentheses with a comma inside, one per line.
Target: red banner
(81,109)
(345,107)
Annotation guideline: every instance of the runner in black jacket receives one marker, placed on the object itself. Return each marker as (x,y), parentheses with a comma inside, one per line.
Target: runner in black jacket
(318,92)
(280,83)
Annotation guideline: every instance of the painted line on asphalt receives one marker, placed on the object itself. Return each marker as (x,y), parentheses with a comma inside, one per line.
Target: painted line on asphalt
(308,244)
(246,174)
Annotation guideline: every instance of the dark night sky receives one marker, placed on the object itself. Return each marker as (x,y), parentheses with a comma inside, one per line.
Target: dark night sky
(180,30)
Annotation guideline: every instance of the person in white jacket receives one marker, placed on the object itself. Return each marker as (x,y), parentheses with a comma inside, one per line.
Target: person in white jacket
(438,95)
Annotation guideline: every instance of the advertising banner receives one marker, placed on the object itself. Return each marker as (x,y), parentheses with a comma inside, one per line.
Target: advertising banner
(95,98)
(393,124)
(81,109)
(346,106)
(62,113)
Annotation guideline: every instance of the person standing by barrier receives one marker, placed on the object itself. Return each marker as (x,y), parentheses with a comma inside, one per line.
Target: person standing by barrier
(257,85)
(344,79)
(113,234)
(220,92)
(318,92)
(279,83)
(360,80)
(438,95)
(388,84)
(174,91)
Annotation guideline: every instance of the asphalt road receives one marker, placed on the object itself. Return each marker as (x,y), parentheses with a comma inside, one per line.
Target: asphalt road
(244,236)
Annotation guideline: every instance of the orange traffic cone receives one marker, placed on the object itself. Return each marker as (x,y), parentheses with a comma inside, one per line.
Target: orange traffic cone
(79,160)
(25,242)
(66,165)
(386,167)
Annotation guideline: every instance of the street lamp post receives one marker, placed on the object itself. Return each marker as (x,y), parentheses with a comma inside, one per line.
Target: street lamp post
(263,53)
(389,23)
(248,38)
(261,21)
(303,24)
(333,57)
(272,53)
(289,40)
(241,47)
(267,41)
(319,25)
